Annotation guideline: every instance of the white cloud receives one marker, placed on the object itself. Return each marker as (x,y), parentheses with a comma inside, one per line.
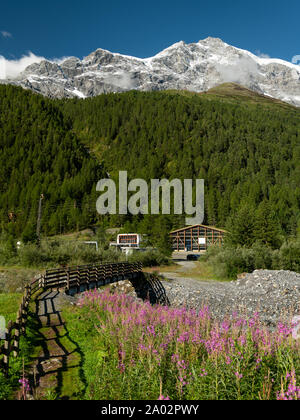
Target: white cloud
(10,69)
(122,80)
(6,34)
(296,59)
(238,70)
(261,55)
(59,61)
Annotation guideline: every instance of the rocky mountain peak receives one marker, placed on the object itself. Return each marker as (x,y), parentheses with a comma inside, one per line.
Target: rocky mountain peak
(195,67)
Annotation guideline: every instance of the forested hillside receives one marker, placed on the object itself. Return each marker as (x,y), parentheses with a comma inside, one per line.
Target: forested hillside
(247,151)
(40,154)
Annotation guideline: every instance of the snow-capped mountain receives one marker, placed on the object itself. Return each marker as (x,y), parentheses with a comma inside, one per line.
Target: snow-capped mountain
(195,67)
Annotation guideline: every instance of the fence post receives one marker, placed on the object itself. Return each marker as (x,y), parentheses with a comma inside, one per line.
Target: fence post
(111,270)
(42,282)
(7,348)
(23,318)
(68,278)
(88,277)
(27,296)
(96,275)
(17,334)
(104,273)
(78,278)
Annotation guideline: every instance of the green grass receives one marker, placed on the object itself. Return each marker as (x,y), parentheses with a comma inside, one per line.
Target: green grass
(83,235)
(81,328)
(233,93)
(9,387)
(61,381)
(14,278)
(9,305)
(64,382)
(201,270)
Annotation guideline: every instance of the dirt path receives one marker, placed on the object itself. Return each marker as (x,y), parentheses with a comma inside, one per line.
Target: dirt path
(57,371)
(181,275)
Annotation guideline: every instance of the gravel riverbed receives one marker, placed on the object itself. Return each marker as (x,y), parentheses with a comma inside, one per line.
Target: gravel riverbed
(275,295)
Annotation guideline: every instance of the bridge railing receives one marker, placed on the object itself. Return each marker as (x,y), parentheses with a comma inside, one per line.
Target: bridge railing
(92,275)
(14,330)
(89,275)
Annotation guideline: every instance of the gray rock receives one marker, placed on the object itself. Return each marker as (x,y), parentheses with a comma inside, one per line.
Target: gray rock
(195,67)
(275,295)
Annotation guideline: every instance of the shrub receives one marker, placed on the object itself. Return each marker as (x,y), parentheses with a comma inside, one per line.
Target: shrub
(149,258)
(54,253)
(8,251)
(230,261)
(30,255)
(288,257)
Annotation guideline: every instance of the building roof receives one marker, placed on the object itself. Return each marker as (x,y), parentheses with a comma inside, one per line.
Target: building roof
(208,227)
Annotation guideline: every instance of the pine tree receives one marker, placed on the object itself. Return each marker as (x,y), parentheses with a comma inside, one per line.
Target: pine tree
(266,226)
(241,227)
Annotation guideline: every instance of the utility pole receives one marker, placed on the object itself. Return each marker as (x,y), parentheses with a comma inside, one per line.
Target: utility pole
(38,224)
(77,223)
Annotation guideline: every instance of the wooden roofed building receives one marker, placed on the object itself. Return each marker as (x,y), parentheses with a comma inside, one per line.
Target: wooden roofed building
(196,238)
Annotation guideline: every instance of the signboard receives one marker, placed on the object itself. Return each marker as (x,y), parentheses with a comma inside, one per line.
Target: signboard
(202,241)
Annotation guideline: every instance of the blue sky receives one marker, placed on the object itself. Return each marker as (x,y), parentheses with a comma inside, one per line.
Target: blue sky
(143,28)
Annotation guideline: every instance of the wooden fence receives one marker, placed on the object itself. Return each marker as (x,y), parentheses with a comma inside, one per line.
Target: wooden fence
(68,278)
(89,276)
(14,330)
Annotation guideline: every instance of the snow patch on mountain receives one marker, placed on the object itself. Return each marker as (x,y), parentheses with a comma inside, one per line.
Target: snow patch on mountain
(195,67)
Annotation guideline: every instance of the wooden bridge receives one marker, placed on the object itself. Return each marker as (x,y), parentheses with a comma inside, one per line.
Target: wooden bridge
(68,279)
(80,278)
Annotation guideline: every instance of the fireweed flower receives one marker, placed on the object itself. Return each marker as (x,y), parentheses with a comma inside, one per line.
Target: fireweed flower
(121,367)
(24,384)
(151,330)
(183,341)
(293,391)
(225,326)
(184,337)
(161,397)
(228,360)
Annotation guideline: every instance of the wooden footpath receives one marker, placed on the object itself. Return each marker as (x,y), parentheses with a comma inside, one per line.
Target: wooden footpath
(69,279)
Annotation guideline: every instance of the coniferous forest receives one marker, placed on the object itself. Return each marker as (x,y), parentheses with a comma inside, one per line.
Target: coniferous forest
(41,154)
(246,150)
